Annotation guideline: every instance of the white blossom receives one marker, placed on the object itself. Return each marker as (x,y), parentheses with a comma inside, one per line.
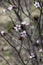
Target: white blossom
(32,54)
(37,41)
(2,32)
(16,29)
(36,4)
(23,34)
(10,7)
(4,10)
(40,50)
(18,26)
(30,57)
(25,23)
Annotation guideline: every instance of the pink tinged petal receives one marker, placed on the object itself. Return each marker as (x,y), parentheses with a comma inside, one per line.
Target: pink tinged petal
(23,34)
(32,55)
(24,22)
(19,27)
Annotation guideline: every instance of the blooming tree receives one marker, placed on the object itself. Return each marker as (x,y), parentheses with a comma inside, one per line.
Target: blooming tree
(28,44)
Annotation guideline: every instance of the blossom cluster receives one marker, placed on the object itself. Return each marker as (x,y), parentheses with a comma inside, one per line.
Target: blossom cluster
(36,4)
(20,28)
(32,56)
(10,7)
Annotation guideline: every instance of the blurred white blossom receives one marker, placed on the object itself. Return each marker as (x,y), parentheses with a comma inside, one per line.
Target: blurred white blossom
(30,57)
(16,29)
(4,10)
(23,34)
(40,50)
(18,26)
(36,4)
(25,23)
(37,41)
(10,7)
(32,54)
(2,32)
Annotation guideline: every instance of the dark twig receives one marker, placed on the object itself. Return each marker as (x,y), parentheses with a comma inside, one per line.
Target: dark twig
(4,59)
